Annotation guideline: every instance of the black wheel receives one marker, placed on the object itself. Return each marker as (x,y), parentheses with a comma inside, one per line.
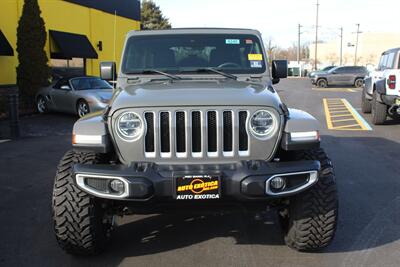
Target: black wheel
(82,108)
(379,111)
(322,83)
(310,219)
(41,105)
(81,223)
(359,83)
(366,105)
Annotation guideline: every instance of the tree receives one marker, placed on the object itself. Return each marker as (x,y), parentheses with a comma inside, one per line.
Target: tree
(371,59)
(270,49)
(333,58)
(290,53)
(152,17)
(32,71)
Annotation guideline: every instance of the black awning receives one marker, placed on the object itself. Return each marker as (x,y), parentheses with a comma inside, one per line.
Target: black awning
(72,45)
(5,47)
(125,8)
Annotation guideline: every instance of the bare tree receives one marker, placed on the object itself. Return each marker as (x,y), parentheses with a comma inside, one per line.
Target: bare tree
(333,58)
(271,47)
(371,59)
(346,59)
(290,53)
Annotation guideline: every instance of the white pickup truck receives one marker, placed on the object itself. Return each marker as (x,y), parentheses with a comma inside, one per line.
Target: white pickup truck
(381,93)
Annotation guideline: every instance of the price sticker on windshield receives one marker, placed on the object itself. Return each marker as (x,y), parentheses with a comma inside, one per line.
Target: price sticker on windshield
(252,57)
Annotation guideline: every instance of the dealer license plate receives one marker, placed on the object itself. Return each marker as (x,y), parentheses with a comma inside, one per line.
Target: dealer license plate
(198,187)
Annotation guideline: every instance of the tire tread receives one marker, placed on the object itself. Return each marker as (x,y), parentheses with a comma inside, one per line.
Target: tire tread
(77,216)
(379,111)
(313,214)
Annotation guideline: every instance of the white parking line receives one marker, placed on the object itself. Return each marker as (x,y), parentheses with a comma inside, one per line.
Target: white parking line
(333,89)
(4,140)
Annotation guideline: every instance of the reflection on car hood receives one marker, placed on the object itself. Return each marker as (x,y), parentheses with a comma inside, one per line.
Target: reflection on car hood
(318,72)
(195,93)
(99,93)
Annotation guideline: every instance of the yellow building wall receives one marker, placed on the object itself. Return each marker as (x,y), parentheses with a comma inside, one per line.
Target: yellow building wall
(68,17)
(9,10)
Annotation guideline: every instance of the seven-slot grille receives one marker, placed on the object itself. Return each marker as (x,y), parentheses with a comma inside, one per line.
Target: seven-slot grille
(196,134)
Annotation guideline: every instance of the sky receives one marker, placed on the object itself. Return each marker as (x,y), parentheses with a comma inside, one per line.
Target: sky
(278,20)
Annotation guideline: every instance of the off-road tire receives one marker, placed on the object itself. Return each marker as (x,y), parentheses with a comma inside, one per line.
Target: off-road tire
(78,218)
(311,216)
(366,105)
(322,83)
(379,111)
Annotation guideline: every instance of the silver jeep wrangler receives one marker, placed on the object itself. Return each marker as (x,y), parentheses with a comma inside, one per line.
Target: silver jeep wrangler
(194,123)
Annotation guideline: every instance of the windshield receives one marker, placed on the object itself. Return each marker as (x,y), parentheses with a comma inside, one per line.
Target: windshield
(333,69)
(328,68)
(185,53)
(90,84)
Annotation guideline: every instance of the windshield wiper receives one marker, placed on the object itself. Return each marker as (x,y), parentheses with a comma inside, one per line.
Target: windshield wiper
(151,71)
(214,70)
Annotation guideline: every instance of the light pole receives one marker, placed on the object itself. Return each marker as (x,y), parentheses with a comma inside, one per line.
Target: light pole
(341,46)
(316,38)
(298,46)
(355,54)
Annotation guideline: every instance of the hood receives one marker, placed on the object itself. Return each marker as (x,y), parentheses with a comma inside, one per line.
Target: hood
(98,93)
(318,72)
(195,93)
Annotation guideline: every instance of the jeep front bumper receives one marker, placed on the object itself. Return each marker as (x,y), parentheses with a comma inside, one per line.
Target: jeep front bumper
(239,182)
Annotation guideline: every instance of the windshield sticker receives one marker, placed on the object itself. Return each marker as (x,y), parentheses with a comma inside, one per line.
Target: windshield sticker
(232,41)
(249,41)
(255,57)
(256,64)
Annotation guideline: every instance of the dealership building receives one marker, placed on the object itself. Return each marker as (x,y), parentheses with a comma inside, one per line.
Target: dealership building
(80,34)
(370,47)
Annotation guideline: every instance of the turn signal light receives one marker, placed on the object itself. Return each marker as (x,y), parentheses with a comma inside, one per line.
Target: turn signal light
(86,139)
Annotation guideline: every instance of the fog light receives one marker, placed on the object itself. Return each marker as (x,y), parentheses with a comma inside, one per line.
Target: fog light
(117,186)
(278,183)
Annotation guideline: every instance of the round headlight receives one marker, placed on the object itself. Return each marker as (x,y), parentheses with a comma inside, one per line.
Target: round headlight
(129,126)
(262,124)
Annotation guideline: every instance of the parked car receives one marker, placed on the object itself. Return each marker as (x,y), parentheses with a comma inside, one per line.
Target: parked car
(77,95)
(195,126)
(381,93)
(348,75)
(312,73)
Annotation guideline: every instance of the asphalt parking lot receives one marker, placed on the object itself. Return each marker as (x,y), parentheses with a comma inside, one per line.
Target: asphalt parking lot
(366,160)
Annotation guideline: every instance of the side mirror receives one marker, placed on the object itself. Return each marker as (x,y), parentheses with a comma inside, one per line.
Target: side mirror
(279,70)
(108,71)
(65,87)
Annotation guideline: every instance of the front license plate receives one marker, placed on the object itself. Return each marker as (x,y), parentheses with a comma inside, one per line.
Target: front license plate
(198,187)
